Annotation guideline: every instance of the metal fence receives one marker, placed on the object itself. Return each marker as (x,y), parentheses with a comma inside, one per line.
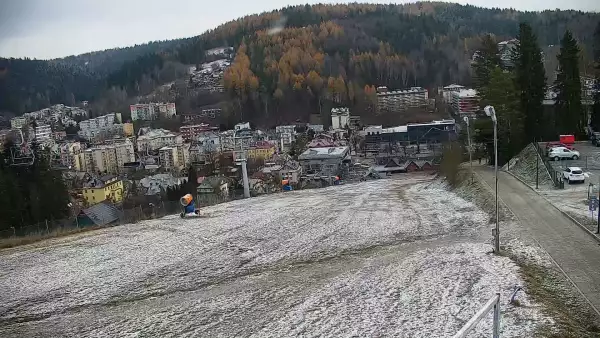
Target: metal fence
(492,304)
(554,174)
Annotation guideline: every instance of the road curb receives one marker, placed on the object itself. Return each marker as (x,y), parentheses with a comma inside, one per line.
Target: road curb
(594,236)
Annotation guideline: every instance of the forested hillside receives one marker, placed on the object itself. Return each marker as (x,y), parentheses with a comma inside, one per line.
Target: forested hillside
(326,55)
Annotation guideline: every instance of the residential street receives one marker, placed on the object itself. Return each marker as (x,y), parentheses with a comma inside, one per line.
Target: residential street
(572,249)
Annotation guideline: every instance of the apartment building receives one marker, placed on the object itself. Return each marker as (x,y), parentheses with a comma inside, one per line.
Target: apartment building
(156,139)
(192,132)
(92,128)
(227,140)
(287,134)
(209,141)
(69,154)
(340,118)
(261,150)
(108,158)
(59,135)
(393,101)
(128,130)
(465,102)
(317,128)
(106,188)
(152,111)
(242,126)
(43,133)
(18,122)
(174,157)
(505,51)
(448,90)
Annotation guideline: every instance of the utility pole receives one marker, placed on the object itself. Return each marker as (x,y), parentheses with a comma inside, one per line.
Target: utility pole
(537,169)
(598,229)
(245,179)
(491,112)
(469,145)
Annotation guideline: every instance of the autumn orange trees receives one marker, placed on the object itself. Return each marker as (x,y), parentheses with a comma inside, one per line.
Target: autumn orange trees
(292,70)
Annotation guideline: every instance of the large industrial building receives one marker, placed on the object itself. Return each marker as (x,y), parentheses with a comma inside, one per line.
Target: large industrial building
(378,138)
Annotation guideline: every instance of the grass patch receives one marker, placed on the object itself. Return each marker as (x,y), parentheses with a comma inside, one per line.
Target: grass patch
(573,317)
(12,242)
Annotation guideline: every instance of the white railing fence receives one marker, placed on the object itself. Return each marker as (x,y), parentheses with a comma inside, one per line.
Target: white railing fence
(492,304)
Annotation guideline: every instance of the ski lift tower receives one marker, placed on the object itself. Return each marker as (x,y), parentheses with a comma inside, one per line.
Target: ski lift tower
(241,141)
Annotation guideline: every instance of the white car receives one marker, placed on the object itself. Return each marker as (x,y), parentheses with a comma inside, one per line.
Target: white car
(574,174)
(562,153)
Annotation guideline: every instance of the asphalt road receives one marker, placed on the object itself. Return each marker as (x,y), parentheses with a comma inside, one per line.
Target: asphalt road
(575,252)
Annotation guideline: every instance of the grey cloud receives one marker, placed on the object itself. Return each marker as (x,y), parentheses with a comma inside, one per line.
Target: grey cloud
(55,28)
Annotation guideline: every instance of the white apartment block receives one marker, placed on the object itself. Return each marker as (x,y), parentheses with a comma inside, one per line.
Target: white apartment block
(448,90)
(156,139)
(242,126)
(43,133)
(175,157)
(287,134)
(18,122)
(152,111)
(107,159)
(285,129)
(92,128)
(393,101)
(340,117)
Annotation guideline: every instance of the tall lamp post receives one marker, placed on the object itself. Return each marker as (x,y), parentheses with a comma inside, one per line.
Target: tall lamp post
(491,112)
(466,118)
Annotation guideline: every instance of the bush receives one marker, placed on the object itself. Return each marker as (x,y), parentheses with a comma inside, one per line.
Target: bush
(452,157)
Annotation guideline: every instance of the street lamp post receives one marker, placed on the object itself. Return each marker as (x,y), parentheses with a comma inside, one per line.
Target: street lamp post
(491,112)
(466,118)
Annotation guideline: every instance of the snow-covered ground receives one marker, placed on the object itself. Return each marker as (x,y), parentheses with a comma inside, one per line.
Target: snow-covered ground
(393,257)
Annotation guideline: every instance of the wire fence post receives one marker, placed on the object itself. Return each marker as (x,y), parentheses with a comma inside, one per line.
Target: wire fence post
(496,328)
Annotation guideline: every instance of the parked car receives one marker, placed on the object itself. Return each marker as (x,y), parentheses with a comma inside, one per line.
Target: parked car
(563,153)
(595,138)
(574,174)
(555,144)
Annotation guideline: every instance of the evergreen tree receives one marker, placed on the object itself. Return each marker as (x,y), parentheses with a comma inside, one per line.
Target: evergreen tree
(571,118)
(595,120)
(486,60)
(31,194)
(192,181)
(530,80)
(503,95)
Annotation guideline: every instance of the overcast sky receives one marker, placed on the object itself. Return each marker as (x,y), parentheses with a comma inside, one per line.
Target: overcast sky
(55,28)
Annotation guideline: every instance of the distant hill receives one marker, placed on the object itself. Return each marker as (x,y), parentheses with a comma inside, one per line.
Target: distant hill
(323,56)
